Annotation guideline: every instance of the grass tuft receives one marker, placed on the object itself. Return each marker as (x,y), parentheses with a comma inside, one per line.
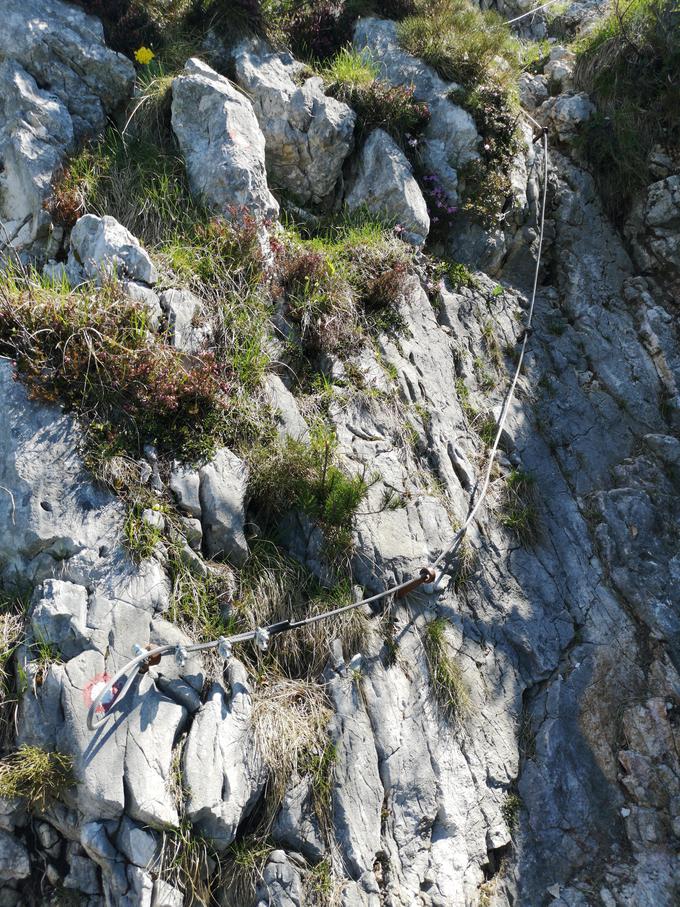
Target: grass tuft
(519,506)
(36,776)
(447,680)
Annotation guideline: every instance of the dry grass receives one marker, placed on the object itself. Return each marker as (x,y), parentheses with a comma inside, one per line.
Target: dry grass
(446,676)
(12,626)
(289,720)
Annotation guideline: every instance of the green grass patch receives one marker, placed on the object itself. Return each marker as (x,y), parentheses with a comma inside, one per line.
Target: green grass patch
(446,677)
(630,65)
(463,43)
(352,76)
(306,476)
(35,776)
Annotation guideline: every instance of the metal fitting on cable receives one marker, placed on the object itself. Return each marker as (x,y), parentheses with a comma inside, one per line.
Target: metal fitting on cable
(224,648)
(181,656)
(262,638)
(426,575)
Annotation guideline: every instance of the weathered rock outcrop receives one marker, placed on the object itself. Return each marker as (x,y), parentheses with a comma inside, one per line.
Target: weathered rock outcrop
(384,184)
(58,82)
(308,135)
(221,141)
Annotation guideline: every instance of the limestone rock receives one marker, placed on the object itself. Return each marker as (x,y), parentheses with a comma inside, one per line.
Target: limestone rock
(223,484)
(281,885)
(63,49)
(308,135)
(14,859)
(148,299)
(183,312)
(565,113)
(35,133)
(385,185)
(653,229)
(221,142)
(296,824)
(103,247)
(291,423)
(533,90)
(59,616)
(223,773)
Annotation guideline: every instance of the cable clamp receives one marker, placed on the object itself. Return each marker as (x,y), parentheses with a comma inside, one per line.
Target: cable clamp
(426,575)
(224,648)
(262,638)
(181,656)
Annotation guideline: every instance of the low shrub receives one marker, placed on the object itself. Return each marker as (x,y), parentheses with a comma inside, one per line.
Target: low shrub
(93,352)
(36,776)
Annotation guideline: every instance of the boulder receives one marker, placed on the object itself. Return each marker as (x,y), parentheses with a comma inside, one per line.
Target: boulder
(221,142)
(533,90)
(223,772)
(559,69)
(185,483)
(223,484)
(146,298)
(384,184)
(307,134)
(63,49)
(36,132)
(103,247)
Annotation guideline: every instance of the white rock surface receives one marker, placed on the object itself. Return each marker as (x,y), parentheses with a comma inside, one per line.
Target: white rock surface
(384,184)
(223,773)
(221,142)
(223,484)
(308,135)
(183,310)
(103,247)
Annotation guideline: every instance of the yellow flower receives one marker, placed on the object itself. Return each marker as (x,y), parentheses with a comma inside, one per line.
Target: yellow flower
(144,55)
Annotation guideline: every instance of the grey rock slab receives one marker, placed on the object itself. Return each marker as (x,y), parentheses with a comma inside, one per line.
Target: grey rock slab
(281,884)
(35,133)
(223,485)
(59,616)
(221,141)
(308,135)
(183,310)
(290,422)
(357,794)
(154,722)
(383,182)
(223,773)
(104,247)
(14,858)
(137,844)
(63,49)
(296,825)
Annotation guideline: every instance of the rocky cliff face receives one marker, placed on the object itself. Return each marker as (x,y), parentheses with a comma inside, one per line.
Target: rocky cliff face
(548,771)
